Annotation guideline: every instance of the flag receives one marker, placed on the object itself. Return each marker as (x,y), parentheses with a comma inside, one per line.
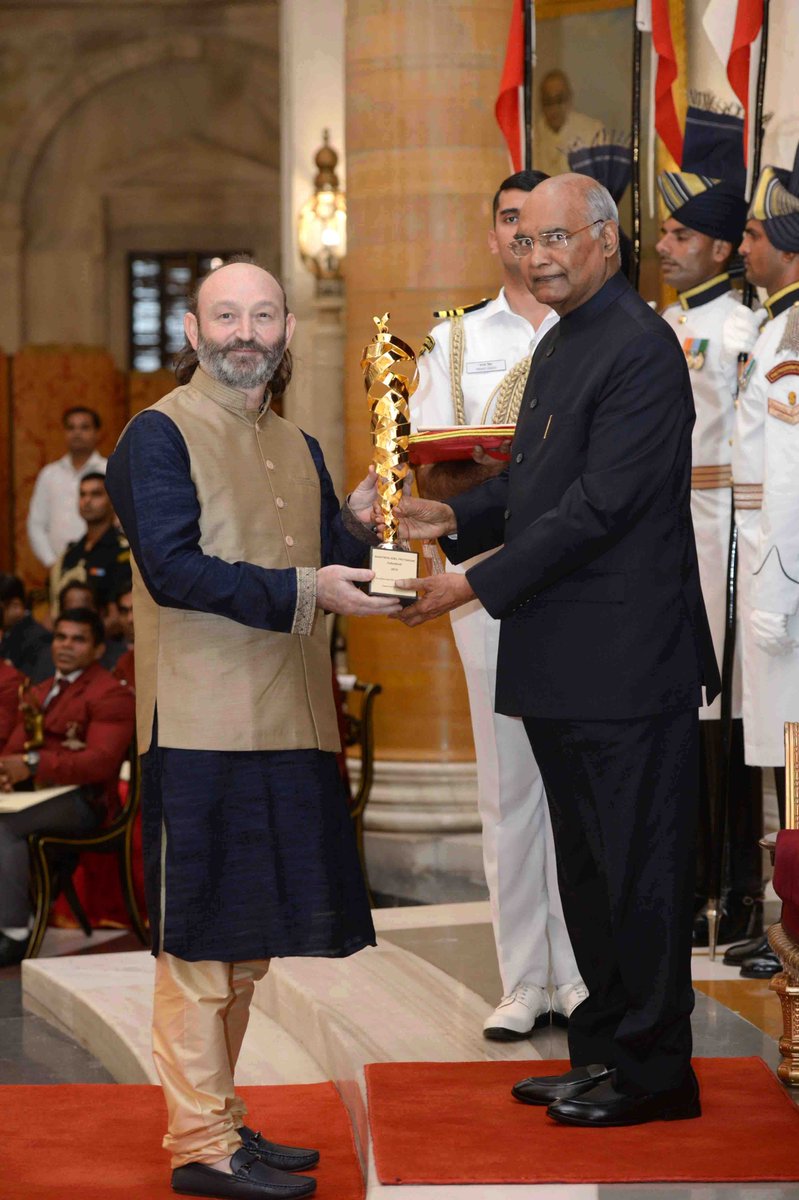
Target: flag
(732,26)
(666,122)
(509,108)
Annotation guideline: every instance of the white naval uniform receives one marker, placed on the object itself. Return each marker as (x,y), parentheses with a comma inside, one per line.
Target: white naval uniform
(766,451)
(698,317)
(518,851)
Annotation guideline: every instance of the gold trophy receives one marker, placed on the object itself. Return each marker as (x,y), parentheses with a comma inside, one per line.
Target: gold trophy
(32,717)
(390,376)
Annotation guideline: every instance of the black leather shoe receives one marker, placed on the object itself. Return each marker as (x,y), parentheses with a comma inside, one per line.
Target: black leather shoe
(546,1089)
(603,1105)
(12,950)
(284,1158)
(751,949)
(251,1180)
(761,966)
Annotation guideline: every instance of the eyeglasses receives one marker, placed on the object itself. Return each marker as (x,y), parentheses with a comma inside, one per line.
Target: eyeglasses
(558,240)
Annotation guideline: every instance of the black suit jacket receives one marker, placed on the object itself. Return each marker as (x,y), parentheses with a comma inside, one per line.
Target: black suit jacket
(597,582)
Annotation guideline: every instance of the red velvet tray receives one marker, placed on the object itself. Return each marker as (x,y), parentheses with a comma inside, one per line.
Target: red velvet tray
(458,442)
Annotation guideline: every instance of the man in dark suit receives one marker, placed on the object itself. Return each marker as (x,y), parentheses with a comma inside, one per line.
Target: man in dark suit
(88,719)
(604,648)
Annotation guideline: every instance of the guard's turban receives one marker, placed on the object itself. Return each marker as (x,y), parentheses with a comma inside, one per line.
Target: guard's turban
(707,193)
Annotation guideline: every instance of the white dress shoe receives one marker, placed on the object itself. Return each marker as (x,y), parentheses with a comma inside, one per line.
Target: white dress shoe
(565,999)
(517,1015)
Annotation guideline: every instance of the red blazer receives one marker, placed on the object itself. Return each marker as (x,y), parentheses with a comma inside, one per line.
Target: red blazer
(125,669)
(95,710)
(10,679)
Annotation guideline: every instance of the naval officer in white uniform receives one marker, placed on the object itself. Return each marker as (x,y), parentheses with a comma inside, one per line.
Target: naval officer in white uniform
(475,375)
(699,237)
(765,468)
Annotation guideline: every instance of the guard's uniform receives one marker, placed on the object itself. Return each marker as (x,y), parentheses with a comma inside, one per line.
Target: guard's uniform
(765,468)
(468,378)
(698,320)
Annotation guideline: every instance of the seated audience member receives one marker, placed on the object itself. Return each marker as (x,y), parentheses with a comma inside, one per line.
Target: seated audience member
(23,638)
(82,595)
(102,556)
(10,680)
(88,727)
(125,668)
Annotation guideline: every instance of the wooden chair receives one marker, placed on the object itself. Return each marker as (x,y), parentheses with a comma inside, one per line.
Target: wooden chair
(54,857)
(359,731)
(784,936)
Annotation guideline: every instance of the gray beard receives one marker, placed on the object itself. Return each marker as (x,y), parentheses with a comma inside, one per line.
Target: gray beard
(221,364)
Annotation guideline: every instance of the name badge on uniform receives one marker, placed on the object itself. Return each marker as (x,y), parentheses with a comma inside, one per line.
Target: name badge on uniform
(486,367)
(695,351)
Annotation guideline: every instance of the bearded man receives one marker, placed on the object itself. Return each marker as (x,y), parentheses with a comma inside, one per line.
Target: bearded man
(238,544)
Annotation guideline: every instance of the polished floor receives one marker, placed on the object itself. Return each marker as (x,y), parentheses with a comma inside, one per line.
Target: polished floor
(732,1017)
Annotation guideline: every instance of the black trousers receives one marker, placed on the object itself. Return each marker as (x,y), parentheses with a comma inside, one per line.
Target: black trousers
(743,875)
(71,813)
(623,796)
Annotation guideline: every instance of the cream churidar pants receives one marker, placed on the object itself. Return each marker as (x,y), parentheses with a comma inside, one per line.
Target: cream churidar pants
(200,1015)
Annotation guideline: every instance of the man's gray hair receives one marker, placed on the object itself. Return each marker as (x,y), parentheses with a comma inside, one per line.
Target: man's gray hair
(600,206)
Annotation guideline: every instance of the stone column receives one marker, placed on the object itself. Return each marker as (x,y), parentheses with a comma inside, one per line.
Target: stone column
(424,156)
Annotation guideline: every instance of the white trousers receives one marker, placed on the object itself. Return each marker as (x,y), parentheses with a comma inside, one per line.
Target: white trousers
(518,850)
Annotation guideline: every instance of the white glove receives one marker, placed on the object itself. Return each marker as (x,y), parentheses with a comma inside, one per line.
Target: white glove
(770,631)
(740,330)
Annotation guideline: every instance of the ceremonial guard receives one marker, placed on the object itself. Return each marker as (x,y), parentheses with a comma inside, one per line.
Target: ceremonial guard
(765,468)
(707,210)
(101,558)
(475,374)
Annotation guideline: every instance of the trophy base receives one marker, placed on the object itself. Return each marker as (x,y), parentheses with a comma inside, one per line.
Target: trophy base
(390,563)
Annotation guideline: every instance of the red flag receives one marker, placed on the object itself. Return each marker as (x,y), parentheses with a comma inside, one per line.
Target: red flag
(732,26)
(748,24)
(666,122)
(510,101)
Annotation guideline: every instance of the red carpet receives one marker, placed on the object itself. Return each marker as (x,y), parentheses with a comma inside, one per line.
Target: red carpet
(447,1123)
(103,1141)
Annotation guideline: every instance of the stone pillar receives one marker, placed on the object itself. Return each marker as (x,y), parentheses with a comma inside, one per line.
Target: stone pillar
(311,100)
(424,156)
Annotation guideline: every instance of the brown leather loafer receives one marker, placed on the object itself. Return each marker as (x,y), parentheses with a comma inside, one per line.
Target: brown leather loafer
(250,1180)
(546,1089)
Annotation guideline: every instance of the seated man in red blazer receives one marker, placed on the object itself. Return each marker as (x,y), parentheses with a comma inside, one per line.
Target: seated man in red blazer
(10,679)
(88,727)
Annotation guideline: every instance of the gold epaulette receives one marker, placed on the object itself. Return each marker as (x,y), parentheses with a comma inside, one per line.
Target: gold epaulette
(444,314)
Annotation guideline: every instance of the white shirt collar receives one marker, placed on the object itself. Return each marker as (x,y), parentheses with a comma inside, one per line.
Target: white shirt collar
(73,675)
(500,305)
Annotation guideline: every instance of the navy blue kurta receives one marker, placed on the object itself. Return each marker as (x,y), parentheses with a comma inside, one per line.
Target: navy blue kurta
(260,858)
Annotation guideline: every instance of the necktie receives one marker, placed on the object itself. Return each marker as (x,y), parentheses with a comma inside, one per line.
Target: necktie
(60,686)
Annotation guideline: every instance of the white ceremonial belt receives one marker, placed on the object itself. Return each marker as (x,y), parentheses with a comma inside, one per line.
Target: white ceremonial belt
(703,478)
(748,495)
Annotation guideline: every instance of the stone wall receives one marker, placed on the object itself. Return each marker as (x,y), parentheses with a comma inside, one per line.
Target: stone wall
(128,125)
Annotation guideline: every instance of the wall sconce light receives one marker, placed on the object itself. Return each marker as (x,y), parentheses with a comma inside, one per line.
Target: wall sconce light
(322,224)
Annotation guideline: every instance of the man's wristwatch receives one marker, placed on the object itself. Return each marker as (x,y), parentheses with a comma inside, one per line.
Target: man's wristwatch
(31,760)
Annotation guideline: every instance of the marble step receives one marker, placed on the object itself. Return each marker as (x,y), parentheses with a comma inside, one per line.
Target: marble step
(104,1002)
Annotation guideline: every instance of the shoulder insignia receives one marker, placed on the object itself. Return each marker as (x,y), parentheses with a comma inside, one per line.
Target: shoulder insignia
(442,314)
(789,367)
(789,413)
(427,345)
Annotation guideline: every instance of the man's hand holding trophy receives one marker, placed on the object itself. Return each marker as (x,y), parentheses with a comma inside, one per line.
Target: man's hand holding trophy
(390,377)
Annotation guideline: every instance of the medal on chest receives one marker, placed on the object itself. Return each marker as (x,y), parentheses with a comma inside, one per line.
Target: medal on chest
(695,350)
(745,373)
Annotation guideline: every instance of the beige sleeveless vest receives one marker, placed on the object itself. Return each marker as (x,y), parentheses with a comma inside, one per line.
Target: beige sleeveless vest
(217,684)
